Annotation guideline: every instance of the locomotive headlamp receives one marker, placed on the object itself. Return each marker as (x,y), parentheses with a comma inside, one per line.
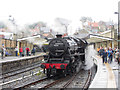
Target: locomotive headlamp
(42,66)
(62,66)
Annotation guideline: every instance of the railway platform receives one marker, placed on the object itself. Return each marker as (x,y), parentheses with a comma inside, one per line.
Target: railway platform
(10,65)
(106,76)
(10,58)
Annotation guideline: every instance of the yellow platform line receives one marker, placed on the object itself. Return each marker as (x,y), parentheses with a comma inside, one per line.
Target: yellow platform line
(111,77)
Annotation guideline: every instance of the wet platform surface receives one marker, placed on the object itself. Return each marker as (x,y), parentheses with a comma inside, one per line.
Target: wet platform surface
(106,76)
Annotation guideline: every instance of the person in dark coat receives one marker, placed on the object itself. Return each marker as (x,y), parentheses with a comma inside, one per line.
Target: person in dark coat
(33,51)
(104,56)
(110,55)
(119,58)
(101,51)
(27,51)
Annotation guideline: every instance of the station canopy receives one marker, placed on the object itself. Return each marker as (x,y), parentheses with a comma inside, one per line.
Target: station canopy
(97,38)
(92,38)
(36,40)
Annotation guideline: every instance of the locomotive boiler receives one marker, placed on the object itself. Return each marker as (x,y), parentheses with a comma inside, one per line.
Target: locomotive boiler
(66,55)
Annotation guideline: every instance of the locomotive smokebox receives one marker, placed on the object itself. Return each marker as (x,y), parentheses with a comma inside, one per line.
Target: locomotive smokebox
(59,35)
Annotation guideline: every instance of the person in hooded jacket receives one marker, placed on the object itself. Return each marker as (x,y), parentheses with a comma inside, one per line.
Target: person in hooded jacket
(104,56)
(110,55)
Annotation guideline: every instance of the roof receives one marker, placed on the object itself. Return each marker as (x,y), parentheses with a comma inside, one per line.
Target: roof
(64,35)
(94,24)
(106,32)
(45,34)
(6,35)
(29,38)
(82,34)
(96,38)
(1,36)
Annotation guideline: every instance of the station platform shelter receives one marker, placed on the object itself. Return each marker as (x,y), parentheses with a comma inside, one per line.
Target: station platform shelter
(105,39)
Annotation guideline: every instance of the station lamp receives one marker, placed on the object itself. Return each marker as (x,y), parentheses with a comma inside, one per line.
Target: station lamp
(118,30)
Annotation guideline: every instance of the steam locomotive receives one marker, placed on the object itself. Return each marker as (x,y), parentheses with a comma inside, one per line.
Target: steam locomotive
(66,55)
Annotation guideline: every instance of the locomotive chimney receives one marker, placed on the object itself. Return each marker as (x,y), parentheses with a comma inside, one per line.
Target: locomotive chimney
(59,35)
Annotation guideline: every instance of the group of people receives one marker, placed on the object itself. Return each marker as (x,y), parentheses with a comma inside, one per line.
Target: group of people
(108,54)
(24,51)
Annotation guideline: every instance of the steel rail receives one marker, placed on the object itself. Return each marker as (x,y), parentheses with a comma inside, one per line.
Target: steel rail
(33,83)
(7,76)
(87,83)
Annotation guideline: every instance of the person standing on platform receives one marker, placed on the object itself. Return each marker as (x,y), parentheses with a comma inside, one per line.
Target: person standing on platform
(98,49)
(16,51)
(101,51)
(21,50)
(110,55)
(24,51)
(117,56)
(33,51)
(104,56)
(2,52)
(27,51)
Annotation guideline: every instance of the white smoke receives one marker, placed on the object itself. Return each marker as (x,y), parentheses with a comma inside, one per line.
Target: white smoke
(90,51)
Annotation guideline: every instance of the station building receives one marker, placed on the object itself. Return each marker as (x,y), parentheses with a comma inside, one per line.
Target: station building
(105,39)
(10,41)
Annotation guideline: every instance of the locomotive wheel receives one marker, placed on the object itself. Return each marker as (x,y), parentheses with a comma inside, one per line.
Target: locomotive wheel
(65,73)
(48,73)
(69,70)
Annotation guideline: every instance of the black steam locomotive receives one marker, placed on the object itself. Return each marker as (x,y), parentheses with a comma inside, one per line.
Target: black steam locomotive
(66,55)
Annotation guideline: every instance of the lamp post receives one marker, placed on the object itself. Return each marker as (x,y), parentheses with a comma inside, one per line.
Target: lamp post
(118,31)
(13,22)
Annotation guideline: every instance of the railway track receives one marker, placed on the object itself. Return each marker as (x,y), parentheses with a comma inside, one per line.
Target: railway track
(66,82)
(20,77)
(77,82)
(88,81)
(39,81)
(47,83)
(19,71)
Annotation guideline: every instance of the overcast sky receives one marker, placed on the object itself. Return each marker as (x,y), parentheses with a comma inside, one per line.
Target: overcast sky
(28,11)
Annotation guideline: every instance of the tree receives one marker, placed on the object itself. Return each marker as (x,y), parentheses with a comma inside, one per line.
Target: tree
(39,24)
(84,20)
